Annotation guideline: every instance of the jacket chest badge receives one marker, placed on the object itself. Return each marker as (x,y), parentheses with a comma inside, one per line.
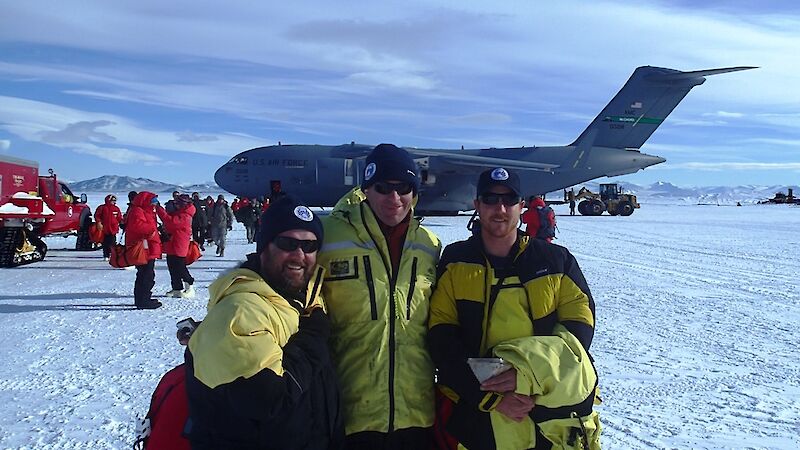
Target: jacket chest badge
(339,268)
(343,269)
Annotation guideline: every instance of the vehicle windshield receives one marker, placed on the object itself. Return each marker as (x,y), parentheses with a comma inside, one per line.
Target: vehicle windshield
(66,194)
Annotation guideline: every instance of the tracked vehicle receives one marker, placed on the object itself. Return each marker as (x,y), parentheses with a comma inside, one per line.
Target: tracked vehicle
(33,206)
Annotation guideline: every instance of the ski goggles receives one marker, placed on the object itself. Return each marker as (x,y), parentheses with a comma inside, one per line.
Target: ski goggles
(289,244)
(491,198)
(386,188)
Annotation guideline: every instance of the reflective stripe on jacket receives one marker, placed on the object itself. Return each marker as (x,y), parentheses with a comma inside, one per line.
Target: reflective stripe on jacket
(379,319)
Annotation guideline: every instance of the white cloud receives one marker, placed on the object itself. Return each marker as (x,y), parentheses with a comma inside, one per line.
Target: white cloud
(726,166)
(79,132)
(482,119)
(188,136)
(5,144)
(120,155)
(63,127)
(724,114)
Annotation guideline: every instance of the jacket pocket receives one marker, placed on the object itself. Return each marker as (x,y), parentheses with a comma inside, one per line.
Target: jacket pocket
(373,304)
(576,433)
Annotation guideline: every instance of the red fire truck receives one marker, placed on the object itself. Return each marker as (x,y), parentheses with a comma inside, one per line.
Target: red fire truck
(32,206)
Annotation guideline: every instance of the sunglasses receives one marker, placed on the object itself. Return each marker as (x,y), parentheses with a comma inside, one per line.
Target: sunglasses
(491,198)
(386,188)
(289,244)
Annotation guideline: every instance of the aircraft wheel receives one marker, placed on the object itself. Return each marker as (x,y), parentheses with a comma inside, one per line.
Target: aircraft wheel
(625,209)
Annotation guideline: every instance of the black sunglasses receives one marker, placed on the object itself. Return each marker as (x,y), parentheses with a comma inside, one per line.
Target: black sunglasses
(386,188)
(491,198)
(289,244)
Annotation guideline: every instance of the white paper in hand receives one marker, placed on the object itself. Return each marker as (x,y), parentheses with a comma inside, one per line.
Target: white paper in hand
(485,368)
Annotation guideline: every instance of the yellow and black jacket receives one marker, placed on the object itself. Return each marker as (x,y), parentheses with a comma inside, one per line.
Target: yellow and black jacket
(379,319)
(476,308)
(259,375)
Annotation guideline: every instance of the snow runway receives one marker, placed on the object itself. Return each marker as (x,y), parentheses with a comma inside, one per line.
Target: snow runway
(698,310)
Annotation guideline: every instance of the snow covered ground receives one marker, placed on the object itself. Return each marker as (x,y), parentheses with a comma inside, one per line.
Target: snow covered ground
(698,318)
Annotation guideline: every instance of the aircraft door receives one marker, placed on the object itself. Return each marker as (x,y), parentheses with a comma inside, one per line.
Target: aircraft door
(275,189)
(349,172)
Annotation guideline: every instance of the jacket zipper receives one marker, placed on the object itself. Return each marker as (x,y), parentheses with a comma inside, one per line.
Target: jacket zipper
(392,317)
(411,288)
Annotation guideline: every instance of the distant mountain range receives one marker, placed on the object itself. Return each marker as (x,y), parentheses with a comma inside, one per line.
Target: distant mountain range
(114,183)
(660,192)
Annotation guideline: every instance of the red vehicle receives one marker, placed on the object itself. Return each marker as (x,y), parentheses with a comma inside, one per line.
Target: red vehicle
(32,206)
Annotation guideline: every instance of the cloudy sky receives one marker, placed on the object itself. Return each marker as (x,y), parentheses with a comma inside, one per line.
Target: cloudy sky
(171,90)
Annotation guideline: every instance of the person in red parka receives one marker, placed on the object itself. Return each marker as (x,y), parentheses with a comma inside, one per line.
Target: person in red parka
(179,226)
(108,215)
(533,219)
(169,407)
(141,226)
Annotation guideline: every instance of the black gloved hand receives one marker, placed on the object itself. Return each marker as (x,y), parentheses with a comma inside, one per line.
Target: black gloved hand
(317,322)
(230,228)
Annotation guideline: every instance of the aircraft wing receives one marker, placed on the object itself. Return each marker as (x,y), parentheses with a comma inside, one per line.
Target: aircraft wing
(454,158)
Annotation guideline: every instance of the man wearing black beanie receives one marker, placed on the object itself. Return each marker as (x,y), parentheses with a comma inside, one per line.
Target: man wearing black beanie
(381,264)
(259,373)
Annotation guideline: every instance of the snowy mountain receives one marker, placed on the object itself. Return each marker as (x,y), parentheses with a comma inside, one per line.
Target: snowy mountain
(114,183)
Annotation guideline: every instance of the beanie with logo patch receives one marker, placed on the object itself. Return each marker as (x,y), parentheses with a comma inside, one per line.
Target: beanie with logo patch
(287,213)
(388,162)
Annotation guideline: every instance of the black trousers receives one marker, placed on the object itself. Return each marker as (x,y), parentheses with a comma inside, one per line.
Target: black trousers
(108,241)
(178,272)
(145,280)
(199,234)
(407,438)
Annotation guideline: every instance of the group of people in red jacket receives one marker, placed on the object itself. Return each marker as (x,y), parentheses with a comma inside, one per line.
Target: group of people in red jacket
(140,225)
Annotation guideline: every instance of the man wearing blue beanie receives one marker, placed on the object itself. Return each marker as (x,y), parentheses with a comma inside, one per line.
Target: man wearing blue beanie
(380,266)
(259,372)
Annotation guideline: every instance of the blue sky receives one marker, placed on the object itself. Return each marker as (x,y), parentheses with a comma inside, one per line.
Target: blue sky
(171,90)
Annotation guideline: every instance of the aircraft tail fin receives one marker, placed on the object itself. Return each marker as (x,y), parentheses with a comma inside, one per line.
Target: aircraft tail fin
(646,99)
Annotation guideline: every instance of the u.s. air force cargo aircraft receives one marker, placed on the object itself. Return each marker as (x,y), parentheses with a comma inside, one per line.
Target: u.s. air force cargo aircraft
(321,174)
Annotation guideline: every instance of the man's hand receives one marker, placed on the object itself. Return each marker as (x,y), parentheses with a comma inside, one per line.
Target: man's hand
(504,382)
(515,406)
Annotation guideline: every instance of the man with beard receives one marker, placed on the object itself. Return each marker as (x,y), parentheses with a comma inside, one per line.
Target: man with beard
(502,294)
(259,374)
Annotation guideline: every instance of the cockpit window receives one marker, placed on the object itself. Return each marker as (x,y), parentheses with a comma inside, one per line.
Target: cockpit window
(238,160)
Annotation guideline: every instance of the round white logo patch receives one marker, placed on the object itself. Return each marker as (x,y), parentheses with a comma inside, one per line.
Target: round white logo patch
(369,172)
(303,213)
(499,174)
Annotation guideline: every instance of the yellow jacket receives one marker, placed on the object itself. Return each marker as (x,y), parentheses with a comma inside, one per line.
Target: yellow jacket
(246,327)
(558,372)
(379,319)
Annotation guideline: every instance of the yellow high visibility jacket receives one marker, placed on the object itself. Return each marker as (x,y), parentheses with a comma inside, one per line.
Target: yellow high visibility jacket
(379,319)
